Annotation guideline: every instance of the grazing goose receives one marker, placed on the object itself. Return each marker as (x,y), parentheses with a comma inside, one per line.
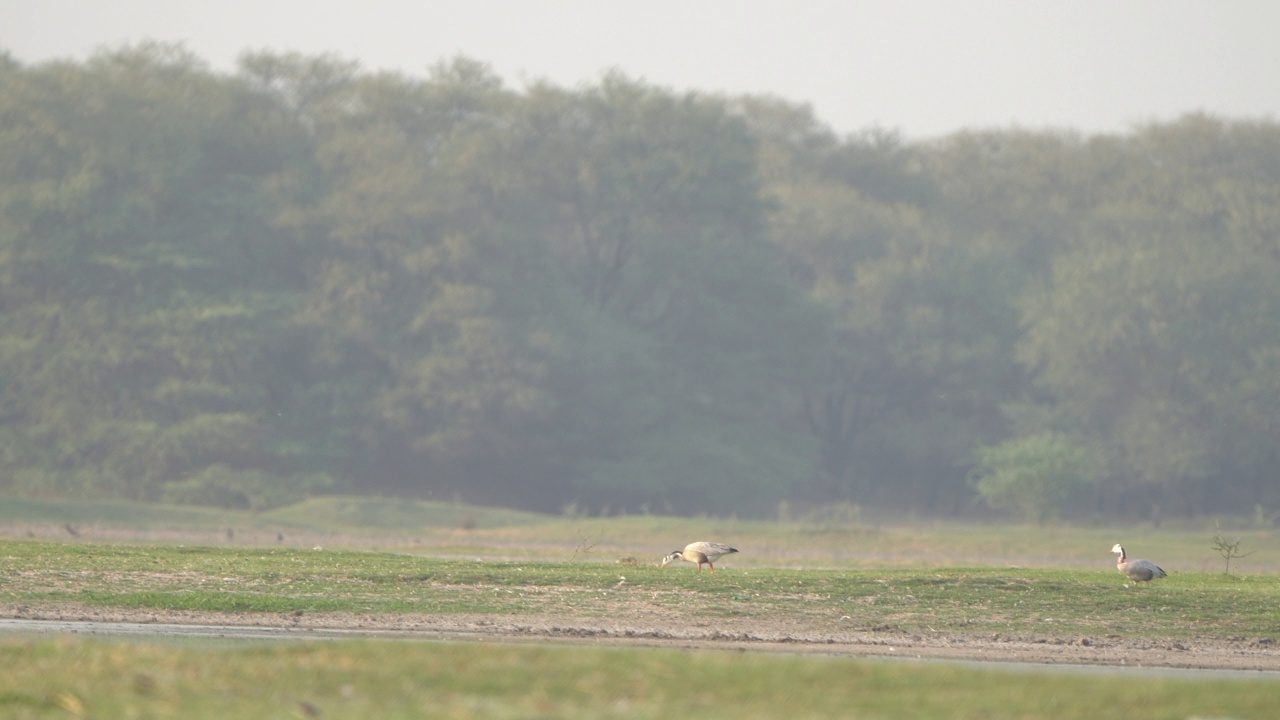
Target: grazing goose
(700,552)
(1137,570)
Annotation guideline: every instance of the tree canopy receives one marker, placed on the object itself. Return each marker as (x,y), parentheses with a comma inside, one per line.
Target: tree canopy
(303,277)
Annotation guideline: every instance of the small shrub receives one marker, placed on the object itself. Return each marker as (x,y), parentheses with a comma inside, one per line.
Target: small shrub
(1228,549)
(1035,476)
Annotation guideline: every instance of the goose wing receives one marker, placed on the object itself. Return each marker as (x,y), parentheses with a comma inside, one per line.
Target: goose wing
(1150,569)
(710,549)
(1142,570)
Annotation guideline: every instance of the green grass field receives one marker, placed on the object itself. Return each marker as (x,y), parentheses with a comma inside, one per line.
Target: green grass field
(456,530)
(383,559)
(390,679)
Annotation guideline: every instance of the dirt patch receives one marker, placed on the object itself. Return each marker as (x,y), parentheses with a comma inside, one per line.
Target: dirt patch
(743,634)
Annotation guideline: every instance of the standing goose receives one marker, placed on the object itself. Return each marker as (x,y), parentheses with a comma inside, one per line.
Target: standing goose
(1137,570)
(700,552)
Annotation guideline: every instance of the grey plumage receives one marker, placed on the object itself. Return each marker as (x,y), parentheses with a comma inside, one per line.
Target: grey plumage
(1137,570)
(700,552)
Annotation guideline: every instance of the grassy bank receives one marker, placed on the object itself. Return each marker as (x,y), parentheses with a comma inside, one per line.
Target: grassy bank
(954,601)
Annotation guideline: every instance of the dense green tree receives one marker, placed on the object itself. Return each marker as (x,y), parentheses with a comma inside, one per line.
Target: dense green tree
(918,354)
(1156,335)
(422,371)
(128,197)
(678,343)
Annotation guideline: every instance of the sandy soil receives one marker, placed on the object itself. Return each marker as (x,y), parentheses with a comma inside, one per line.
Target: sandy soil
(643,629)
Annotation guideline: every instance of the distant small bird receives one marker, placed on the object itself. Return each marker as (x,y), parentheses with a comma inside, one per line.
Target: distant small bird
(700,552)
(1137,570)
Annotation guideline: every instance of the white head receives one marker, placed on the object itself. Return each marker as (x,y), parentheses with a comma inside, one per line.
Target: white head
(1117,549)
(672,558)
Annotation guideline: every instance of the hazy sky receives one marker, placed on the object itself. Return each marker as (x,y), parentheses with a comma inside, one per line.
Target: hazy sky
(922,68)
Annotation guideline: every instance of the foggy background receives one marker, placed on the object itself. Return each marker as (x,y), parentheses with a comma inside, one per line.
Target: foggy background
(714,259)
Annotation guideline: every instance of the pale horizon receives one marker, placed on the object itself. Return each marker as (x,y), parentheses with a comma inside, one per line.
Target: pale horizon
(920,69)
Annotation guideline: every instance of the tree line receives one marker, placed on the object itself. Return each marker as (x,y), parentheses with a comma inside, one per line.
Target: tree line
(302,277)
